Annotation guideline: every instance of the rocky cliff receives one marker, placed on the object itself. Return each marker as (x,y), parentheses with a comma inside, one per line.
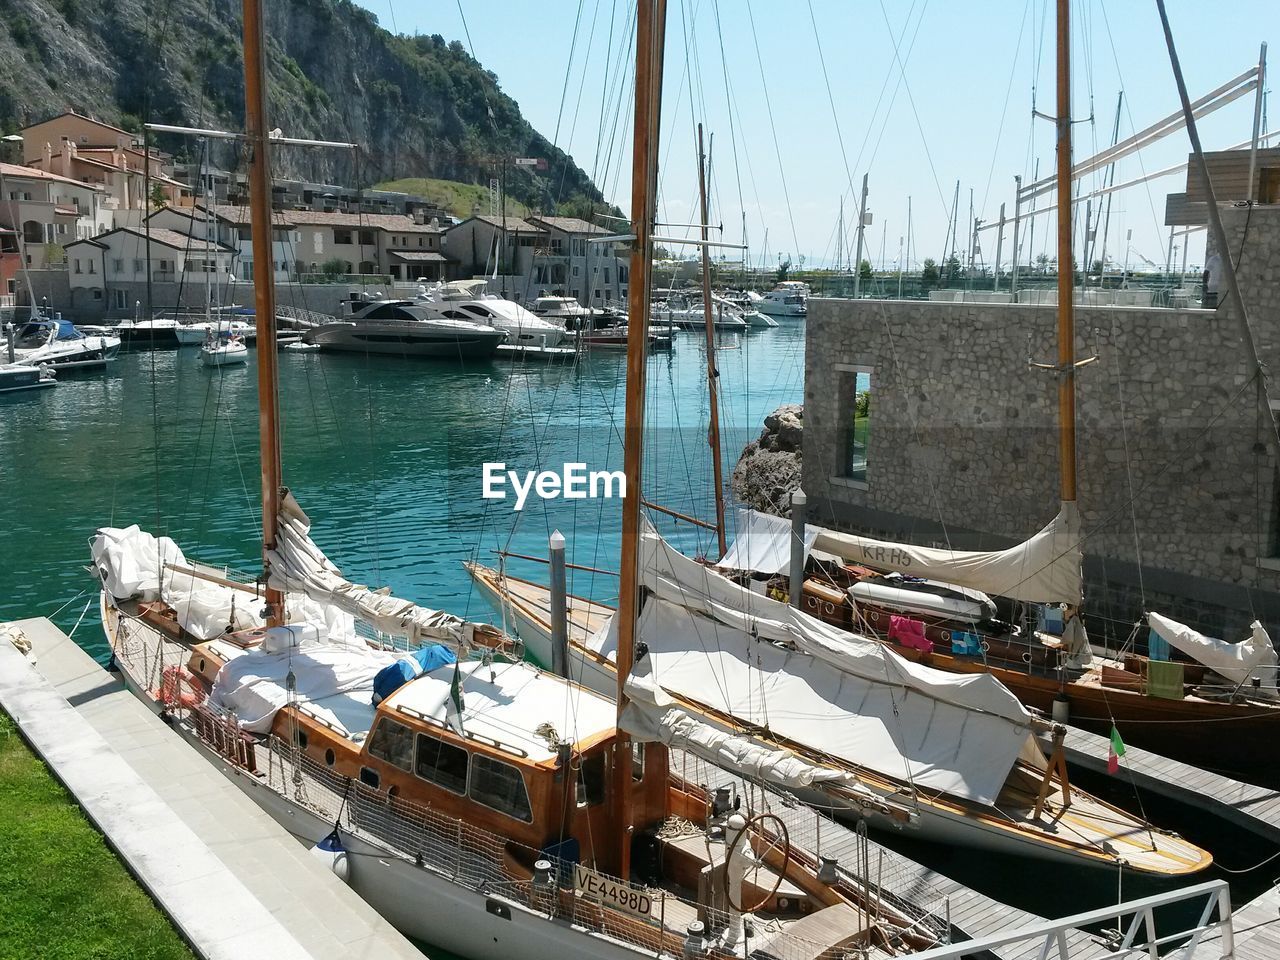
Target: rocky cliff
(769,468)
(418,105)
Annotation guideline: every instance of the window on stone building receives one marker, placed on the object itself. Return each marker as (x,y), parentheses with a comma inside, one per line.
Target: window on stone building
(342,236)
(117,266)
(856,403)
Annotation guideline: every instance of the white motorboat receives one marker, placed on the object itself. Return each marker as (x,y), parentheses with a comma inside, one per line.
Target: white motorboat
(573,316)
(466,300)
(404,328)
(59,345)
(788,299)
(153,332)
(190,334)
(21,377)
(219,351)
(688,315)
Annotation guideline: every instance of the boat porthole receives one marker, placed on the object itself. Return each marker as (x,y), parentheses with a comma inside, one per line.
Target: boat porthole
(783,903)
(329,757)
(986,647)
(393,791)
(874,617)
(945,636)
(201,667)
(828,607)
(1026,657)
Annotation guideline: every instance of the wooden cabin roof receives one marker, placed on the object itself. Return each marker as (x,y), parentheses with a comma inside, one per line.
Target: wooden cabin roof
(518,707)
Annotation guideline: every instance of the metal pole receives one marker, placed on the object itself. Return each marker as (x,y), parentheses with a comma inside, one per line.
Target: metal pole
(1168,261)
(255,79)
(799,511)
(8,335)
(559,608)
(1066,308)
(1257,123)
(973,237)
(713,374)
(1017,223)
(1220,241)
(999,248)
(862,222)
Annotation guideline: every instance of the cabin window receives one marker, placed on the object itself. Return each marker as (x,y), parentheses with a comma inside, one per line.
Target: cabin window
(591,780)
(392,742)
(442,763)
(370,778)
(499,786)
(856,401)
(637,761)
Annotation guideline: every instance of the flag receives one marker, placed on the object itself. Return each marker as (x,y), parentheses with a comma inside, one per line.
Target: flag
(1115,751)
(454,705)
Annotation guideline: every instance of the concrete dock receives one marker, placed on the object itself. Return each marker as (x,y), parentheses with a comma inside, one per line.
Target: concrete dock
(234,883)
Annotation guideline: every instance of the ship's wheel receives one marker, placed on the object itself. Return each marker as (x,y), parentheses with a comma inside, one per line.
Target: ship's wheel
(775,839)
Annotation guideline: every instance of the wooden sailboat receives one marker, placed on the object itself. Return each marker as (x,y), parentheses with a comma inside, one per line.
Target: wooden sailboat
(481,805)
(709,639)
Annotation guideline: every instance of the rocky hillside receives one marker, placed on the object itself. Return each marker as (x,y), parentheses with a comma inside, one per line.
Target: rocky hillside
(421,107)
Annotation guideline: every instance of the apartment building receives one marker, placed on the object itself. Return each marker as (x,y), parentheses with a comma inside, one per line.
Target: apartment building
(47,211)
(103,270)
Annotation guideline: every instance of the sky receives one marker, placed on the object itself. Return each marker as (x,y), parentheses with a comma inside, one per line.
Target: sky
(803,97)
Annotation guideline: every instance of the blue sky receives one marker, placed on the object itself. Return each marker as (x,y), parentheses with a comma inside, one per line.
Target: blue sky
(954,103)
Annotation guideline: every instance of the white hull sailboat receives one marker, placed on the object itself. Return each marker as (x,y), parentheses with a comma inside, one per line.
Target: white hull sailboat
(224,352)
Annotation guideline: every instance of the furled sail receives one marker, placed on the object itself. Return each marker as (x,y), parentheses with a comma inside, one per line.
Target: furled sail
(1044,569)
(763,665)
(298,565)
(1255,656)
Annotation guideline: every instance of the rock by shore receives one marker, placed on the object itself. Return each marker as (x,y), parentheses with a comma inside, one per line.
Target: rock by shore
(769,468)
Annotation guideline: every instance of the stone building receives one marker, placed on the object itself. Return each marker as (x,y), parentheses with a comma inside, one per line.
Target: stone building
(1178,489)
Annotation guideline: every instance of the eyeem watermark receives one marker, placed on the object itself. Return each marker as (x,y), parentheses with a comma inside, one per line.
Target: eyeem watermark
(573,482)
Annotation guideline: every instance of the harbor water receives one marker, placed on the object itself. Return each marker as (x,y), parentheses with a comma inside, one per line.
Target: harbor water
(385,454)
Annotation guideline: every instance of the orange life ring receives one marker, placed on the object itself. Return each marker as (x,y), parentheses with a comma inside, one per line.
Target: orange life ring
(178,688)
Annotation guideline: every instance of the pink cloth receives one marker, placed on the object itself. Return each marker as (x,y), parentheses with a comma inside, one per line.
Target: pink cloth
(909,633)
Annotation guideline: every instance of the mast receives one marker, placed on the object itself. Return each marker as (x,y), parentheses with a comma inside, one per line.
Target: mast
(255,87)
(1066,308)
(713,374)
(651,16)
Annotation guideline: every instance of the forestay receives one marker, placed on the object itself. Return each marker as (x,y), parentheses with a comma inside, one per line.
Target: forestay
(1044,569)
(1254,656)
(716,644)
(297,564)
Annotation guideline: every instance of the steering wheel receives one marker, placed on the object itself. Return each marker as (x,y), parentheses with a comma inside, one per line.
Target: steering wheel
(778,839)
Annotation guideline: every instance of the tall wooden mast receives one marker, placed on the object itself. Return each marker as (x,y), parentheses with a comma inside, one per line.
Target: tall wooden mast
(651,18)
(713,374)
(255,88)
(1066,275)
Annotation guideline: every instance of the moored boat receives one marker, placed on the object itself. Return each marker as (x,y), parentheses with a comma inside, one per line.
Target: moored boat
(403,328)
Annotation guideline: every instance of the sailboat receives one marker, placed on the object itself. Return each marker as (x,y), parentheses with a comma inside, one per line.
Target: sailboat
(476,801)
(958,753)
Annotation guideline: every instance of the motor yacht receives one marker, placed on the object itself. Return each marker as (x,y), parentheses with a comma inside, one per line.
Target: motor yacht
(59,345)
(370,324)
(788,299)
(466,300)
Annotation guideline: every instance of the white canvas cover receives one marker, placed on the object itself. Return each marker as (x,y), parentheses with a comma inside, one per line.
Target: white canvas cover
(763,544)
(1044,569)
(716,644)
(130,561)
(1255,656)
(335,683)
(297,564)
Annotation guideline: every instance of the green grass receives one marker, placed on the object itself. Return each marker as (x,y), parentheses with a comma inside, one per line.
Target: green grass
(63,893)
(458,198)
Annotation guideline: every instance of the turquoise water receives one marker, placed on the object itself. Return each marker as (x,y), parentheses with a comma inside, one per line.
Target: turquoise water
(384,454)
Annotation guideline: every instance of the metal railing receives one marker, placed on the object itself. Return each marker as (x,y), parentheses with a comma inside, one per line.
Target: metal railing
(1135,932)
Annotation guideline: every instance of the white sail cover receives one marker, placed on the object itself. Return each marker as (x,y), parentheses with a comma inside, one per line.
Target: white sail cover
(297,564)
(1254,656)
(763,543)
(651,717)
(1044,569)
(717,645)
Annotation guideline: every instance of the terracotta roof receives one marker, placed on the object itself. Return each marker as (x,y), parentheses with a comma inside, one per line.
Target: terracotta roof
(33,173)
(391,222)
(80,116)
(420,256)
(67,211)
(511,224)
(571,225)
(166,238)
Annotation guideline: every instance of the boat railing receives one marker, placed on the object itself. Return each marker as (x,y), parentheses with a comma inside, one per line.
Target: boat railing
(428,839)
(1139,928)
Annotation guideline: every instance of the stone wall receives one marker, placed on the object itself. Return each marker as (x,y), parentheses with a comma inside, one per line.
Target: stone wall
(1177,490)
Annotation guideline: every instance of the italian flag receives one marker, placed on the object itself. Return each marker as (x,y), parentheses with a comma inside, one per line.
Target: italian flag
(1115,752)
(454,707)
